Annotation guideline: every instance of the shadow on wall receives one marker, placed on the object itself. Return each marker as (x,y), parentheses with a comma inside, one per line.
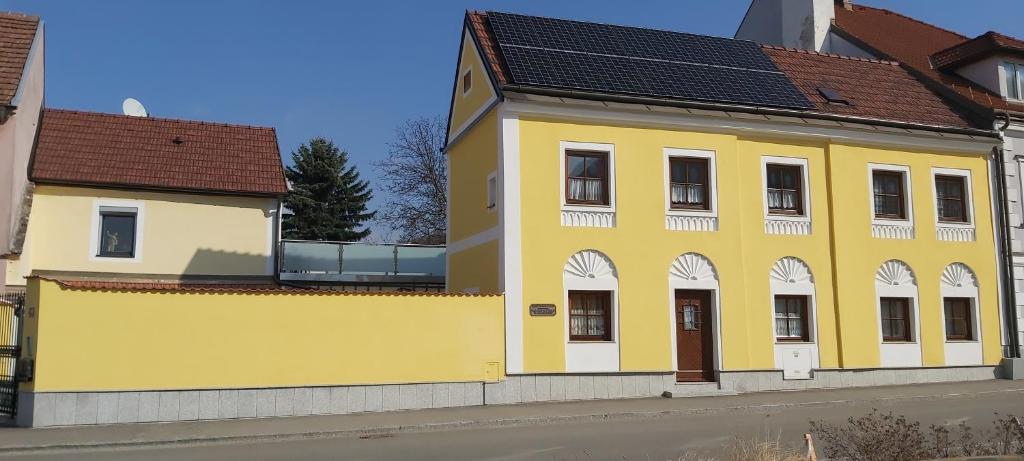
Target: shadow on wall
(218,262)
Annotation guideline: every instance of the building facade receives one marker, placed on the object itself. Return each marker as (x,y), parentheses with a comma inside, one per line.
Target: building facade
(981,76)
(637,233)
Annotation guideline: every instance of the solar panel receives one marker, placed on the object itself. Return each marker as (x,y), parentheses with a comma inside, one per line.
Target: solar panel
(629,60)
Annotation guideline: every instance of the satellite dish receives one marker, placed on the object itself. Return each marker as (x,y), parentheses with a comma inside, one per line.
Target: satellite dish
(133,108)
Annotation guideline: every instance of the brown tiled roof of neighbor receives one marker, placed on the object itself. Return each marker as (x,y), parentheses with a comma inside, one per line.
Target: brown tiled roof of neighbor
(215,287)
(89,148)
(879,90)
(16,34)
(481,29)
(976,48)
(912,43)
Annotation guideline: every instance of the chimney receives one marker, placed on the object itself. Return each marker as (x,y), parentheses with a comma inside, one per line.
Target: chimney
(800,24)
(847,4)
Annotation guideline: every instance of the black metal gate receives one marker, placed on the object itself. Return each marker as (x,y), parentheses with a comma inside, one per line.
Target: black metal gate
(11,307)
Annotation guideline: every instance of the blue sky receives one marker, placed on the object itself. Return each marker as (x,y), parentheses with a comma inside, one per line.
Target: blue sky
(350,71)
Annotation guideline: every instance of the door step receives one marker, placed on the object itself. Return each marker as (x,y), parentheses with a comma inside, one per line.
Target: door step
(696,390)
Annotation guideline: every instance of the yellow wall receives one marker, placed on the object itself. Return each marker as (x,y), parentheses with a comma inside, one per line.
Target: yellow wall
(465,105)
(484,258)
(104,340)
(182,233)
(642,249)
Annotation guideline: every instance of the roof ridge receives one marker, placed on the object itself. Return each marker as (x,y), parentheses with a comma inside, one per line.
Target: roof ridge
(831,55)
(656,29)
(909,18)
(17,15)
(161,119)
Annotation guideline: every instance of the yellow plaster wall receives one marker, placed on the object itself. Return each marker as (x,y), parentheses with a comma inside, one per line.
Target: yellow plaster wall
(481,257)
(181,233)
(642,249)
(465,105)
(104,340)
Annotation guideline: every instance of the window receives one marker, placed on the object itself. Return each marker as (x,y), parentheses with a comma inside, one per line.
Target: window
(688,183)
(958,319)
(951,198)
(890,201)
(586,181)
(1013,75)
(467,81)
(590,315)
(785,191)
(791,318)
(896,322)
(492,191)
(117,232)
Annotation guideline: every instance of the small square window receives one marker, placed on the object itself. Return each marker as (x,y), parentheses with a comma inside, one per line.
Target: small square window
(590,315)
(688,183)
(785,189)
(117,234)
(951,198)
(492,191)
(889,194)
(586,178)
(1013,78)
(467,81)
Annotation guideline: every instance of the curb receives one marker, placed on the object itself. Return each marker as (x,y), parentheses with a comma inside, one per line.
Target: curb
(390,431)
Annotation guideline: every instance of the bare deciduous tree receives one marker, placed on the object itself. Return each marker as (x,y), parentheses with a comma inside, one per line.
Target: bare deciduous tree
(415,178)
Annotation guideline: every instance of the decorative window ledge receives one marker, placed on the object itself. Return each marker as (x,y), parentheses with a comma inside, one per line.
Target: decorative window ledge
(787,226)
(691,222)
(954,233)
(588,218)
(892,231)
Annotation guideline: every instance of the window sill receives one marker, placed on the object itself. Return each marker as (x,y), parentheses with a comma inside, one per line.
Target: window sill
(900,229)
(783,342)
(899,342)
(595,216)
(787,225)
(591,342)
(955,232)
(962,341)
(698,221)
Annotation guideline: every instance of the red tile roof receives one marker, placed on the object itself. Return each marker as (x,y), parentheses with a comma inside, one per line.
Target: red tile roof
(17,32)
(88,148)
(975,49)
(220,287)
(879,90)
(912,43)
(481,29)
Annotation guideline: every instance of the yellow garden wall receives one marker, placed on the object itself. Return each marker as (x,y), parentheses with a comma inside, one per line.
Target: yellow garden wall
(85,340)
(181,234)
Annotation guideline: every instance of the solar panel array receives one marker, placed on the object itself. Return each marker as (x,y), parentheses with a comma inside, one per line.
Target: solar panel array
(604,58)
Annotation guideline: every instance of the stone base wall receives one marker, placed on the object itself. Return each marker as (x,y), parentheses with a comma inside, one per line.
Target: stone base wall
(81,408)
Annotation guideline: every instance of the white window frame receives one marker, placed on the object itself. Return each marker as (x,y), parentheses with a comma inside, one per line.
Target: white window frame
(1004,79)
(712,192)
(492,192)
(609,149)
(908,200)
(805,189)
(100,205)
(462,80)
(968,200)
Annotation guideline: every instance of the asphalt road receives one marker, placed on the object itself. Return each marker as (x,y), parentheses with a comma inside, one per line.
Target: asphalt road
(663,438)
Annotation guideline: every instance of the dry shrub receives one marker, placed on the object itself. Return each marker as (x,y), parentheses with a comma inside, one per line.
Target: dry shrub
(765,449)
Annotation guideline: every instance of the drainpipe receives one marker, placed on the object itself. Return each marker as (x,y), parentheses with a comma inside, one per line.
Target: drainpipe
(1010,306)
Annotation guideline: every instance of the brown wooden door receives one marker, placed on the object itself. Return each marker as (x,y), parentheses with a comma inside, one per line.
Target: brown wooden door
(694,340)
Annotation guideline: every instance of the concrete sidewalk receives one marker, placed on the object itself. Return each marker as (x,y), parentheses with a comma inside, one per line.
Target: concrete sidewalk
(378,424)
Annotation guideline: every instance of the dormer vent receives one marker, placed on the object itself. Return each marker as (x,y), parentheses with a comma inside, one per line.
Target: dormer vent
(833,96)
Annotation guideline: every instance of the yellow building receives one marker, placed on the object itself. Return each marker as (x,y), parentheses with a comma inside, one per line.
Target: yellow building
(664,209)
(153,199)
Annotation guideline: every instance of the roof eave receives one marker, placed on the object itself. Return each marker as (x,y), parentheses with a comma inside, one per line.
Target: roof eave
(191,191)
(763,110)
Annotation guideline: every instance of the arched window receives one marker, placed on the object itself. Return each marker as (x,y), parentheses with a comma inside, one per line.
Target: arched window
(959,290)
(794,320)
(591,285)
(898,314)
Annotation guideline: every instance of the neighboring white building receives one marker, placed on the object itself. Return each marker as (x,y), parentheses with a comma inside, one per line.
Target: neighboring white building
(21,104)
(984,76)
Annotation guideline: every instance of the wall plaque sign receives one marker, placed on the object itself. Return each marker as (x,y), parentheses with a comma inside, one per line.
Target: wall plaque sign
(542,310)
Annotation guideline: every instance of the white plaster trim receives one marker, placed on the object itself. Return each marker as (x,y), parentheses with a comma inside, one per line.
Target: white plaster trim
(591,356)
(780,224)
(94,232)
(455,134)
(706,282)
(895,279)
(955,232)
(786,127)
(272,214)
(476,239)
(691,220)
(587,215)
(959,281)
(884,228)
(796,283)
(511,256)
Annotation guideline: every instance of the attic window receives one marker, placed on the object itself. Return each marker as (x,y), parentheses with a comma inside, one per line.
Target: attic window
(467,81)
(833,96)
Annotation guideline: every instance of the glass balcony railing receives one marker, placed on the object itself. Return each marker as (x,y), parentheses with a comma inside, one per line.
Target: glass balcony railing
(303,260)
